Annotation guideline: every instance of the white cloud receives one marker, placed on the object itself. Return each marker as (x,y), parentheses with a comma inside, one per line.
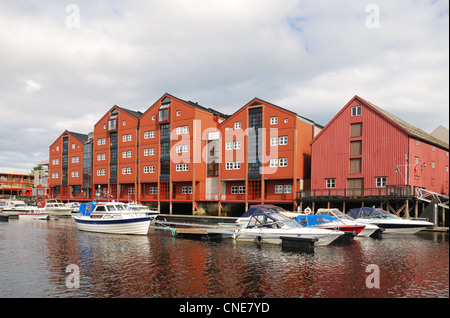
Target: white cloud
(308,56)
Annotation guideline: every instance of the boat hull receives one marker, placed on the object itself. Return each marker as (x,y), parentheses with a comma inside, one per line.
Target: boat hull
(324,237)
(59,212)
(135,226)
(33,216)
(398,226)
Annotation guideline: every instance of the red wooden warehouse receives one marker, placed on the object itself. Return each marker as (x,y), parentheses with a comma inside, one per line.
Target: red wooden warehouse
(366,151)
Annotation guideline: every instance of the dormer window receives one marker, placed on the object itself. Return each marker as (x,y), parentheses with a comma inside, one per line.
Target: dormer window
(112,122)
(163,114)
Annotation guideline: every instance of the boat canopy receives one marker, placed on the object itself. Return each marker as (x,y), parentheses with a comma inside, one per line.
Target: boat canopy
(270,219)
(86,208)
(261,208)
(368,213)
(313,219)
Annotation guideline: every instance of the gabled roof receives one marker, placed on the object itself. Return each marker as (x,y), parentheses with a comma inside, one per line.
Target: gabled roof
(408,129)
(81,137)
(412,130)
(136,114)
(258,101)
(197,105)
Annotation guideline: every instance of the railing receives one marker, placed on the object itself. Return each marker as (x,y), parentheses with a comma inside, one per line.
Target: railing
(388,191)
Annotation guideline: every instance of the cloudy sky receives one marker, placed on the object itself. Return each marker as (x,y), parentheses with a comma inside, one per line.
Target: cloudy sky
(63,65)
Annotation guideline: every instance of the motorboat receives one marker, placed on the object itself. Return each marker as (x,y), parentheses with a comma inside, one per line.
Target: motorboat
(368,229)
(142,208)
(34,213)
(23,211)
(12,208)
(325,221)
(391,223)
(269,226)
(75,206)
(111,217)
(56,208)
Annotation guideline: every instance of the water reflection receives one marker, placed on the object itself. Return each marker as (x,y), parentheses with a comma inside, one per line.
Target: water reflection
(34,257)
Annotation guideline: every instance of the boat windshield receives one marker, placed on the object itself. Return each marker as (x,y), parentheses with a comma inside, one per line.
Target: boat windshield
(111,208)
(120,207)
(272,220)
(336,214)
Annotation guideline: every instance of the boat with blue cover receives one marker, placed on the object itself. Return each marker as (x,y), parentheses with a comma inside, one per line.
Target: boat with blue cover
(111,217)
(325,221)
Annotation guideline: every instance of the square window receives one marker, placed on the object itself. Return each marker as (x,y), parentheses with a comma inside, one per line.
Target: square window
(356,111)
(278,189)
(330,183)
(273,120)
(287,188)
(381,182)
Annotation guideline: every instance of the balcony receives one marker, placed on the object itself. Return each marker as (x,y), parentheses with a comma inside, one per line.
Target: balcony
(388,191)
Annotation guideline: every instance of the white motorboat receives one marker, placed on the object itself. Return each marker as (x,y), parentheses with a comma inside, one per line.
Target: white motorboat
(13,208)
(24,211)
(34,213)
(368,230)
(142,208)
(111,217)
(75,206)
(56,208)
(270,226)
(391,223)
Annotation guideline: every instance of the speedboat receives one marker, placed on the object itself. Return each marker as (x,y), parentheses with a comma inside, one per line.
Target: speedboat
(24,211)
(111,217)
(391,223)
(142,208)
(12,208)
(56,208)
(270,226)
(368,229)
(324,221)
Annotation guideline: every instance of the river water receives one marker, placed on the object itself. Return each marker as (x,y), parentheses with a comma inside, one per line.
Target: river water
(53,259)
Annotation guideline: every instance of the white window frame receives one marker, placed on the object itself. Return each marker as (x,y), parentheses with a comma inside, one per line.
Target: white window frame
(356,111)
(274,120)
(283,162)
(330,183)
(273,141)
(278,189)
(381,182)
